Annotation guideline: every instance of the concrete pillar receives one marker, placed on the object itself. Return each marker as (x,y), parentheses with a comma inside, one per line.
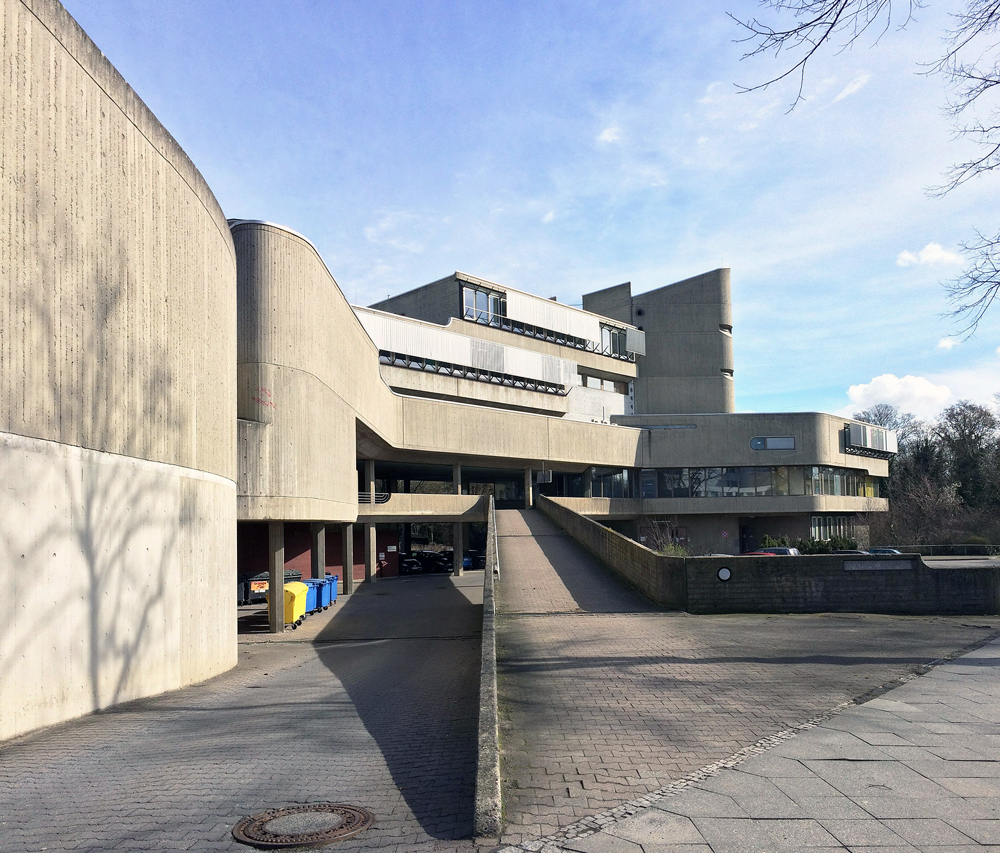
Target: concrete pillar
(527,488)
(347,557)
(588,485)
(456,478)
(276,576)
(370,554)
(318,550)
(458,547)
(370,478)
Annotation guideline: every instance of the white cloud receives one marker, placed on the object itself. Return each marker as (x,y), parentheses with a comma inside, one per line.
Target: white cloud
(860,79)
(911,393)
(947,343)
(931,254)
(549,217)
(610,134)
(382,232)
(998,350)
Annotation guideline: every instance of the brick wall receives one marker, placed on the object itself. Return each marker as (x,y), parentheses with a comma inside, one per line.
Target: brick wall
(829,583)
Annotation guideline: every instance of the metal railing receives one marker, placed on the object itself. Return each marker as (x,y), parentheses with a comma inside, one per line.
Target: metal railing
(377,498)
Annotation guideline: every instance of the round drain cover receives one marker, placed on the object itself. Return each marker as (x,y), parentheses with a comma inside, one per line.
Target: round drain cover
(302,826)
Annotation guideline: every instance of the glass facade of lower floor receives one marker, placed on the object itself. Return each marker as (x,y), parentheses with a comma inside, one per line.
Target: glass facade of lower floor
(736,481)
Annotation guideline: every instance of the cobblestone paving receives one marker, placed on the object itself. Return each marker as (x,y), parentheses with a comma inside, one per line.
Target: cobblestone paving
(386,724)
(604,698)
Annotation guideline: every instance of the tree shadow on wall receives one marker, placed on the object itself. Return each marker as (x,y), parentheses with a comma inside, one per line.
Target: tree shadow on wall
(91,538)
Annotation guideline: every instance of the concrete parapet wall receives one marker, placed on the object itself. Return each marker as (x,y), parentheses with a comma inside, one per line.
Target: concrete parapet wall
(659,577)
(807,584)
(489,793)
(414,507)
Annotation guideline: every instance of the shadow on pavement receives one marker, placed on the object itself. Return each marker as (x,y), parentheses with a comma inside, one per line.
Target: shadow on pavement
(407,651)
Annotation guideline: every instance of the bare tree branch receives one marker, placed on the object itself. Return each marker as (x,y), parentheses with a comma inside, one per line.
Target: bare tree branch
(973,292)
(820,22)
(971,66)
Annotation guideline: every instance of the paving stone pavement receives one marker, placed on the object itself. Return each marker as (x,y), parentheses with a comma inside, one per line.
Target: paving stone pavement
(386,724)
(916,769)
(605,699)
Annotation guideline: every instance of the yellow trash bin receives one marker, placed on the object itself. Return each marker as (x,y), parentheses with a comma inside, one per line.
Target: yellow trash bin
(295,601)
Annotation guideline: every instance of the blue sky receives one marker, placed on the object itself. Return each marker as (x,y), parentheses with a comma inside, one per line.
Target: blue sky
(561,147)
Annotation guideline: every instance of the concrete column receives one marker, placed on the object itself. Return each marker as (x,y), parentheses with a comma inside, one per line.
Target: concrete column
(347,557)
(456,478)
(458,547)
(276,576)
(370,553)
(527,488)
(370,478)
(588,485)
(318,550)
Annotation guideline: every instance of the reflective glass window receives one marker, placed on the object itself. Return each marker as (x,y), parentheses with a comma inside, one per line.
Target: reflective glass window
(648,484)
(710,484)
(675,483)
(779,480)
(765,485)
(747,482)
(796,480)
(730,482)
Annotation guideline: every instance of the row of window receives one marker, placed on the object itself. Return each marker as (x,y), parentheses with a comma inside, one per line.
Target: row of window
(743,481)
(489,307)
(825,527)
(414,362)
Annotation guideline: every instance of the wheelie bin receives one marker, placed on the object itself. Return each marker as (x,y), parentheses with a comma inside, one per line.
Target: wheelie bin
(295,603)
(311,594)
(334,581)
(323,594)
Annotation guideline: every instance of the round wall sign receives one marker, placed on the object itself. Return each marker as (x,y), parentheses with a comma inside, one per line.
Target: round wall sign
(725,574)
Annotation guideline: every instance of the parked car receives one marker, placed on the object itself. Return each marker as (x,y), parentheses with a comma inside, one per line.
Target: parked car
(474,559)
(434,562)
(409,565)
(849,551)
(883,551)
(774,552)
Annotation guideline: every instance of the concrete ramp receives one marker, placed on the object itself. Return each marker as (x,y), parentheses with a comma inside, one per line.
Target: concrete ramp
(544,570)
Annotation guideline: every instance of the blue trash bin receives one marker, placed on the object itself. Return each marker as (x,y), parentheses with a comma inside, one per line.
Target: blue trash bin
(334,581)
(311,594)
(323,594)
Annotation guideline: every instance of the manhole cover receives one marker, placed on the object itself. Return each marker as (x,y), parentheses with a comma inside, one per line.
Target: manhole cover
(302,826)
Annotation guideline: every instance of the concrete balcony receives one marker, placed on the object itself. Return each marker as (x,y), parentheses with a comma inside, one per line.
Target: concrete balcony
(406,508)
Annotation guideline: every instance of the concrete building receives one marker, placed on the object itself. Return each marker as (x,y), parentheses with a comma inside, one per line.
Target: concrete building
(189,399)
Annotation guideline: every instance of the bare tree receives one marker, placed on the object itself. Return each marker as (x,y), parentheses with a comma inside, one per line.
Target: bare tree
(971,66)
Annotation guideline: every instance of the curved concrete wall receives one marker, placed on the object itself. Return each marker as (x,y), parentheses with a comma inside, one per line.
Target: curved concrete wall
(117,366)
(308,374)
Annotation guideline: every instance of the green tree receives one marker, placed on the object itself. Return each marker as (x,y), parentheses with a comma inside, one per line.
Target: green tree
(968,434)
